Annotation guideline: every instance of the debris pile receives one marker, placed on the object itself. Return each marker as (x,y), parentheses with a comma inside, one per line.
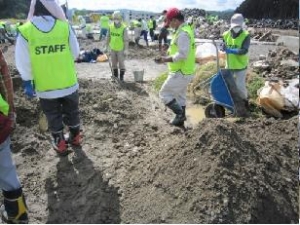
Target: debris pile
(263,35)
(193,12)
(278,24)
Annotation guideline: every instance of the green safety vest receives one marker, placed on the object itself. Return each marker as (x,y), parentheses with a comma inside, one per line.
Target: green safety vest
(2,24)
(116,37)
(4,107)
(89,28)
(150,24)
(236,62)
(187,66)
(52,62)
(104,22)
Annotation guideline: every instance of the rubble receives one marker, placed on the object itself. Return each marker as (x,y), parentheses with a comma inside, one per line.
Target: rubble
(278,24)
(280,63)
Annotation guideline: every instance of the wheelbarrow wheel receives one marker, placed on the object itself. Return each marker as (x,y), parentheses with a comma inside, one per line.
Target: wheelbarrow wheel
(214,111)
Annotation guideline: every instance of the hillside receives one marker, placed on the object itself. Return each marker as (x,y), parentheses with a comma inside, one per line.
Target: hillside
(272,9)
(14,9)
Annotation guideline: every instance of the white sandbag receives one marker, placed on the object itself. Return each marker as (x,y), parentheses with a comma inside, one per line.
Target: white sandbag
(291,94)
(205,50)
(271,99)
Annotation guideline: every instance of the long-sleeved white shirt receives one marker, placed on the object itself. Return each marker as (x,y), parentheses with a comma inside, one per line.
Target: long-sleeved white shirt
(183,43)
(145,25)
(23,62)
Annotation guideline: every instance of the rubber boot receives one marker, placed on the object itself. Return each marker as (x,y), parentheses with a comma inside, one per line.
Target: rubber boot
(183,112)
(122,73)
(179,118)
(75,137)
(116,73)
(59,143)
(14,209)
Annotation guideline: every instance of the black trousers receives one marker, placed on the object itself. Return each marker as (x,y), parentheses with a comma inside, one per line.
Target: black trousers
(62,111)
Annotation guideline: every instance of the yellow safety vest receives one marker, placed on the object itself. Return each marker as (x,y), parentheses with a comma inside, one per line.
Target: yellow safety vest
(52,62)
(187,66)
(236,61)
(150,24)
(4,107)
(116,37)
(104,22)
(2,24)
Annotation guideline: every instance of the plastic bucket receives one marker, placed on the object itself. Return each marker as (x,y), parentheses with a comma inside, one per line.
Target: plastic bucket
(138,75)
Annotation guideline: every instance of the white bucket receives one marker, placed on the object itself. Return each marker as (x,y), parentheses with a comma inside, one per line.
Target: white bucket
(138,75)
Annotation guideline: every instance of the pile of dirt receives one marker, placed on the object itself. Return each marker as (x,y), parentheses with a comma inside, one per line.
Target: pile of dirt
(284,64)
(280,63)
(135,168)
(263,35)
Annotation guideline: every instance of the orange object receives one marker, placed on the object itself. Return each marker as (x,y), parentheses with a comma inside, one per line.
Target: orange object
(102,58)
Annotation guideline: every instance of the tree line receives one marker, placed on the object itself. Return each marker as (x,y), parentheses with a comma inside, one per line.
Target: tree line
(270,9)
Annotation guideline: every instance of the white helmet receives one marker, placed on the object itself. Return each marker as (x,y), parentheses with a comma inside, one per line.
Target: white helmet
(117,15)
(190,20)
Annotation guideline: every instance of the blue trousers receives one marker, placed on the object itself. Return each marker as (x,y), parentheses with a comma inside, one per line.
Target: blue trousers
(9,180)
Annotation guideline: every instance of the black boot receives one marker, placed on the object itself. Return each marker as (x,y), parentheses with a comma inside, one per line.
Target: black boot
(179,118)
(14,209)
(183,112)
(122,73)
(75,137)
(116,73)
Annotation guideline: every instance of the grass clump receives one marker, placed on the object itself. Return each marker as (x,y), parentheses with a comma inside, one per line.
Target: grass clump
(158,82)
(254,83)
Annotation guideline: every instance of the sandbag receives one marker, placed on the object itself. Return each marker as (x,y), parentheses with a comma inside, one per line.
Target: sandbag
(102,58)
(207,52)
(271,99)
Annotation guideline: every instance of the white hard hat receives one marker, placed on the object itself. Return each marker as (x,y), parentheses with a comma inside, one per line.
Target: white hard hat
(117,15)
(237,20)
(190,19)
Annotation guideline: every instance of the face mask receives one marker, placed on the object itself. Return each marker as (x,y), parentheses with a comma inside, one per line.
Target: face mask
(236,29)
(117,22)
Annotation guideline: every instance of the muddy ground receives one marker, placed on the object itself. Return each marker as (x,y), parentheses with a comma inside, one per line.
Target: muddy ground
(135,168)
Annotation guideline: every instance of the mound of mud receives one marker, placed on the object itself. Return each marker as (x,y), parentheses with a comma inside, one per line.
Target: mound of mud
(135,168)
(222,173)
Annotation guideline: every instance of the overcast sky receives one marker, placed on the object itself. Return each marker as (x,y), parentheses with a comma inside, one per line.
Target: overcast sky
(154,5)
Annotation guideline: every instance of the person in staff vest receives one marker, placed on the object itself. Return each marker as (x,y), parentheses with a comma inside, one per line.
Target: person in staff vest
(117,42)
(14,209)
(181,64)
(45,52)
(104,25)
(236,43)
(151,28)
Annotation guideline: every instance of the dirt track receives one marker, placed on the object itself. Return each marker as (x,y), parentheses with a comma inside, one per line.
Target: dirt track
(134,168)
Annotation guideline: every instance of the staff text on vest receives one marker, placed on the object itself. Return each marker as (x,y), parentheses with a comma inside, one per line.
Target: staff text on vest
(49,49)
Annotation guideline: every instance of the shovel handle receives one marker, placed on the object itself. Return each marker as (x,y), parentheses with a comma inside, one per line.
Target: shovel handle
(217,54)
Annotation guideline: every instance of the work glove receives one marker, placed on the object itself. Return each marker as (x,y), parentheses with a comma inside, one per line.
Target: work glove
(223,47)
(28,89)
(232,51)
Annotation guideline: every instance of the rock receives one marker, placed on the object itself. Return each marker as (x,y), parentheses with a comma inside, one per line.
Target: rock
(262,57)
